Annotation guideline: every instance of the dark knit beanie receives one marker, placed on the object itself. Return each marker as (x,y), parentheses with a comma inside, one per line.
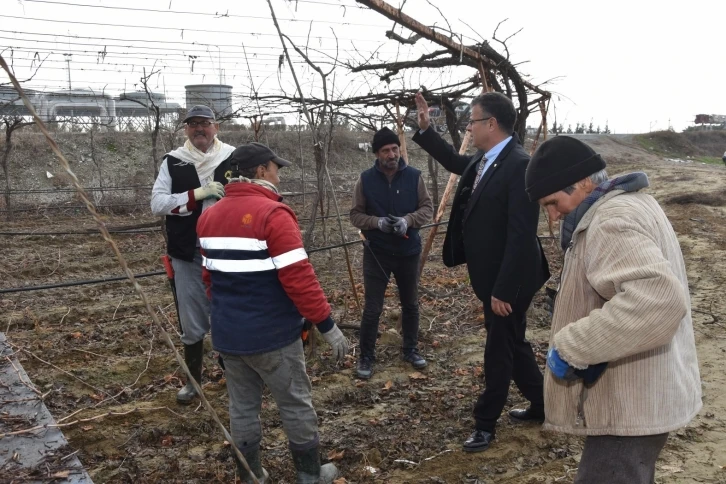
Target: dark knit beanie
(383,137)
(559,163)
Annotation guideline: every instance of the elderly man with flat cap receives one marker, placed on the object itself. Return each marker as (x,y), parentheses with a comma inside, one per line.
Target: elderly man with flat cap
(261,286)
(622,367)
(191,179)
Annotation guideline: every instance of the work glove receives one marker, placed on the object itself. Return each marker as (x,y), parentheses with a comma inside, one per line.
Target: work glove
(400,226)
(559,367)
(385,225)
(590,374)
(562,370)
(210,190)
(337,341)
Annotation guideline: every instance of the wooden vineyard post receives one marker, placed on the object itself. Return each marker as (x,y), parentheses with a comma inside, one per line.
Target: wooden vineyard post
(543,130)
(544,109)
(536,138)
(442,206)
(401,134)
(542,126)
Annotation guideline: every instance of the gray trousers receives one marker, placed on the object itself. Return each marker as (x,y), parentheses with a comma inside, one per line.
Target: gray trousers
(610,459)
(283,371)
(192,297)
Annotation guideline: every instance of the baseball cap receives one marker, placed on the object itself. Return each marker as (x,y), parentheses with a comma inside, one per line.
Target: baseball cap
(199,111)
(253,154)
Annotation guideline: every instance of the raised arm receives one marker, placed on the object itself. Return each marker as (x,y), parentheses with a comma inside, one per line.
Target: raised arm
(428,139)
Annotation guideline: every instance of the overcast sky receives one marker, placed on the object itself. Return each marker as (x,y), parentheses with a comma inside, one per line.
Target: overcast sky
(637,65)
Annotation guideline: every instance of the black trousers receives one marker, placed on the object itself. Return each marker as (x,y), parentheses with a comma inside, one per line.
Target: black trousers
(507,356)
(375,281)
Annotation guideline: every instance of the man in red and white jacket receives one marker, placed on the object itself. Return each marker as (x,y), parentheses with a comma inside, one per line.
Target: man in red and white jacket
(262,287)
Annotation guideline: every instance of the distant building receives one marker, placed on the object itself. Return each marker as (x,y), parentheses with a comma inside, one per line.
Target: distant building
(275,123)
(710,119)
(216,96)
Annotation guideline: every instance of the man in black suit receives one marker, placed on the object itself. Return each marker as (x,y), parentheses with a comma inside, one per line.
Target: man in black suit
(493,228)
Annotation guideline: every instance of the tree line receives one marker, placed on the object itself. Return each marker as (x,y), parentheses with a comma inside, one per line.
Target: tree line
(580,128)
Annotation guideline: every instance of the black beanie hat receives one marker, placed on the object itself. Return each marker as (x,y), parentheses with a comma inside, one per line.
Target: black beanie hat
(559,163)
(383,137)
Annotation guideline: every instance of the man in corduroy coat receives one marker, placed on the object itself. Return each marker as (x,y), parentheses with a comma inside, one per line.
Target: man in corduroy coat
(622,367)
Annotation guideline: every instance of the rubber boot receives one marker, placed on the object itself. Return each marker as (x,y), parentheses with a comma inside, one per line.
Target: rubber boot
(193,358)
(252,456)
(309,470)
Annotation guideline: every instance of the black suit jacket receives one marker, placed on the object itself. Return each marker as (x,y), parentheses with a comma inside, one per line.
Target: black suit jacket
(493,229)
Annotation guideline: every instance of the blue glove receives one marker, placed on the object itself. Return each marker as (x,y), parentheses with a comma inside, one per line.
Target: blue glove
(562,370)
(559,367)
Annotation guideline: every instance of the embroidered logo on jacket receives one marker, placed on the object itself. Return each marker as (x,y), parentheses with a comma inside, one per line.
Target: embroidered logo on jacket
(247,219)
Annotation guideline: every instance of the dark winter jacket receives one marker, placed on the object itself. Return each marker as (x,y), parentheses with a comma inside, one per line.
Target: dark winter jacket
(259,279)
(493,229)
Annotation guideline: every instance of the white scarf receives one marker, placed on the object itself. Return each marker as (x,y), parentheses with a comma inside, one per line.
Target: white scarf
(205,163)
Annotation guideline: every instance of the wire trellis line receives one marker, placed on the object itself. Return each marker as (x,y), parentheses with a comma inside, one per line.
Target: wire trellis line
(159,273)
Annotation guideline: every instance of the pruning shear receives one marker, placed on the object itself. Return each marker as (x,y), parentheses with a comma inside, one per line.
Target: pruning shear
(392,218)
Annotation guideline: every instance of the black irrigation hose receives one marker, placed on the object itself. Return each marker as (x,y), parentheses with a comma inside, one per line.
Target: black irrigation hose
(144,187)
(73,190)
(78,283)
(71,207)
(62,191)
(113,205)
(31,234)
(159,273)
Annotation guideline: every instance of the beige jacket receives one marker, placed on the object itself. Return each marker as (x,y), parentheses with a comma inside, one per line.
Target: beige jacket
(624,300)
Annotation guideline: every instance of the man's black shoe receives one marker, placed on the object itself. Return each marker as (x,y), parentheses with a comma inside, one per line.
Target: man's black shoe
(478,441)
(365,368)
(416,360)
(527,415)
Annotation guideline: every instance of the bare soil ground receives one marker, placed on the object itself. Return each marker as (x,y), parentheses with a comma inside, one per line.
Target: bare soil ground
(95,351)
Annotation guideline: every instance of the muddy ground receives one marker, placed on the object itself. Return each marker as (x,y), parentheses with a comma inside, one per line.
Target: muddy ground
(93,350)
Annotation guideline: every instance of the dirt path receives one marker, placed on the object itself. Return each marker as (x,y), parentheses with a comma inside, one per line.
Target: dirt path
(399,426)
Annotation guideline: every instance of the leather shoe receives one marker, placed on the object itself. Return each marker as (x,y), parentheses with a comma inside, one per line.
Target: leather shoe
(528,414)
(365,368)
(416,360)
(478,441)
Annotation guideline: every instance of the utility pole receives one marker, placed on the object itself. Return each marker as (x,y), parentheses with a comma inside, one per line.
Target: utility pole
(68,61)
(219,62)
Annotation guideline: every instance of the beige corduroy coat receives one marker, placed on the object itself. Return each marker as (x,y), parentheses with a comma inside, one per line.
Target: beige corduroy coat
(624,300)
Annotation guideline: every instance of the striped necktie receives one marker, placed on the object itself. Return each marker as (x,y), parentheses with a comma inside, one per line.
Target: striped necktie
(479,172)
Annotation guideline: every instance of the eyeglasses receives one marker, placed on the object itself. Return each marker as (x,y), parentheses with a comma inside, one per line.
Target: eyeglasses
(203,124)
(472,121)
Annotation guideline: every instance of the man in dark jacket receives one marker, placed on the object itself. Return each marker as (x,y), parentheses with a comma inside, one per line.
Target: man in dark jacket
(390,203)
(261,285)
(191,179)
(493,229)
